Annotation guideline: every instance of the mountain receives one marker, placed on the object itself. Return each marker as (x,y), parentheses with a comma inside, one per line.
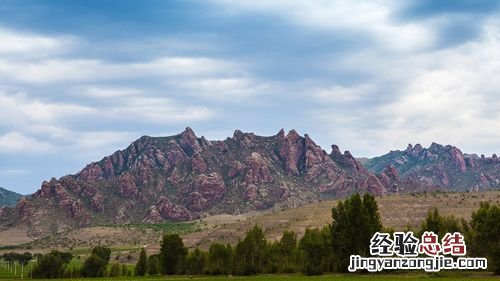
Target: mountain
(438,167)
(184,177)
(8,198)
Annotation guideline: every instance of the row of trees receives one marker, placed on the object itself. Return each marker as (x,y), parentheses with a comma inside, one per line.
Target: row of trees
(17,257)
(354,221)
(56,264)
(328,249)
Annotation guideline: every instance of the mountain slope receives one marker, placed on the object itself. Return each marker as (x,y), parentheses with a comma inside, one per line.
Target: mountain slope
(442,167)
(184,177)
(8,198)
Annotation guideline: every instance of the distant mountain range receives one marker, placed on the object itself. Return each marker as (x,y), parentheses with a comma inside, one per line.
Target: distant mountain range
(439,166)
(185,177)
(8,198)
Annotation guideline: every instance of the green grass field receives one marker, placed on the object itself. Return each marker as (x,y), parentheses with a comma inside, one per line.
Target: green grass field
(470,276)
(442,276)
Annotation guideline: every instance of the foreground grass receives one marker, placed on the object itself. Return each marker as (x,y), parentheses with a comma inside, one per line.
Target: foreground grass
(339,277)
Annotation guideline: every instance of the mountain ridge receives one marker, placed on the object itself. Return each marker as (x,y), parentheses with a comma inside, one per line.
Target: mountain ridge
(8,197)
(440,166)
(185,177)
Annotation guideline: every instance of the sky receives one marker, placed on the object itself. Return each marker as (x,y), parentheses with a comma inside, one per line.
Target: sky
(82,79)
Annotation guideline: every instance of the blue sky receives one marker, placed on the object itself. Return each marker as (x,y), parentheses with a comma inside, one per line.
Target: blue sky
(81,79)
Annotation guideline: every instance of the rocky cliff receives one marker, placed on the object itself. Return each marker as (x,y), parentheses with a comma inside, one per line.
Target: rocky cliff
(185,177)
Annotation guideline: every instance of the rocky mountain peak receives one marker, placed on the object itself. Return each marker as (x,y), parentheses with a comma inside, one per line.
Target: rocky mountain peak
(281,134)
(189,142)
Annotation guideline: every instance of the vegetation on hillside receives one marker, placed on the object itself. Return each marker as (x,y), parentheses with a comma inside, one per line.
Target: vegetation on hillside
(8,198)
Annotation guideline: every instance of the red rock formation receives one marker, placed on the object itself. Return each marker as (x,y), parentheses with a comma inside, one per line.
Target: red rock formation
(198,164)
(171,211)
(291,152)
(127,186)
(194,177)
(458,159)
(205,191)
(235,168)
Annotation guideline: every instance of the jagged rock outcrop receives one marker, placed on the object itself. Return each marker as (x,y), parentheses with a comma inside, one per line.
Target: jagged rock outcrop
(184,177)
(437,167)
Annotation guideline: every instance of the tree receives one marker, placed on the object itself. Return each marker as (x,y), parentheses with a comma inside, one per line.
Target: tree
(153,264)
(288,251)
(355,220)
(25,258)
(141,268)
(219,259)
(250,252)
(124,270)
(115,270)
(313,248)
(51,265)
(95,265)
(102,252)
(196,262)
(441,224)
(327,254)
(172,254)
(485,234)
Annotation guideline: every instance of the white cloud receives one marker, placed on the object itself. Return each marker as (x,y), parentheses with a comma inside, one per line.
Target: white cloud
(372,19)
(14,43)
(225,89)
(92,70)
(15,142)
(98,140)
(448,96)
(21,109)
(110,92)
(157,110)
(341,94)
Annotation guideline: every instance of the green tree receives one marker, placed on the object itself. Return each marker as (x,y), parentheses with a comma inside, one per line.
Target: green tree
(95,265)
(272,258)
(313,249)
(102,252)
(327,254)
(219,259)
(51,265)
(196,262)
(485,234)
(250,252)
(24,258)
(172,254)
(154,264)
(288,251)
(124,270)
(355,220)
(115,270)
(441,224)
(141,267)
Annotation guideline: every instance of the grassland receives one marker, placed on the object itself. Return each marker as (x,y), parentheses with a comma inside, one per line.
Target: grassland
(470,276)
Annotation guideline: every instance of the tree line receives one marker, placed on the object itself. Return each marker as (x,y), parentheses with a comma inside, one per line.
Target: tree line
(319,250)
